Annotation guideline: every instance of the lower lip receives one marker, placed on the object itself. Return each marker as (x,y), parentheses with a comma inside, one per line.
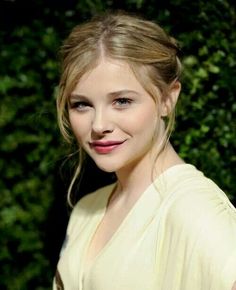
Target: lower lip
(106,149)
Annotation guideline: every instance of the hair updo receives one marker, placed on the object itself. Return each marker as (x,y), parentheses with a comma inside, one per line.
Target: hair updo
(152,55)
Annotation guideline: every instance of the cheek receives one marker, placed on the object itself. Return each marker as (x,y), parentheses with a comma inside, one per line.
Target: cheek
(141,122)
(79,126)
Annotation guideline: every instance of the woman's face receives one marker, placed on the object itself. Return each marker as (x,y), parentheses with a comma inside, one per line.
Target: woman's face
(113,118)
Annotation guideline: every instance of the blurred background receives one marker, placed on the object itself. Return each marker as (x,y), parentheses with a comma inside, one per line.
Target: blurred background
(33,179)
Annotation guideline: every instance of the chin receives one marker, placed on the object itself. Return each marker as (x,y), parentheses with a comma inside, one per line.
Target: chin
(109,168)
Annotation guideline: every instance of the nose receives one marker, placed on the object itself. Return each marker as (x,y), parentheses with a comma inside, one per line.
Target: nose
(101,123)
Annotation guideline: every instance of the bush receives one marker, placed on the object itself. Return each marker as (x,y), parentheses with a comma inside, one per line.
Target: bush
(33,207)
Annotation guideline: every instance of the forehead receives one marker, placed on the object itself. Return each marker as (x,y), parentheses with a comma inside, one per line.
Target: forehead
(108,75)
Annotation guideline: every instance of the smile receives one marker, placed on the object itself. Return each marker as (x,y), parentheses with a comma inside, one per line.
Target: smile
(105,147)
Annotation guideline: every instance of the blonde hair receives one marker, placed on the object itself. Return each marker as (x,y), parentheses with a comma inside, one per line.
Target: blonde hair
(144,45)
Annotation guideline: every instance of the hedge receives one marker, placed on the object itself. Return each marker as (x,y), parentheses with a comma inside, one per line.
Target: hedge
(33,186)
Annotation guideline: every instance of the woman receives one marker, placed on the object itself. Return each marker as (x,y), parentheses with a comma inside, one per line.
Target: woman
(163,225)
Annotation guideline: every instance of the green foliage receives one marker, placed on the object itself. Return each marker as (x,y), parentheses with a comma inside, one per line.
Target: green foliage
(28,152)
(30,145)
(206,129)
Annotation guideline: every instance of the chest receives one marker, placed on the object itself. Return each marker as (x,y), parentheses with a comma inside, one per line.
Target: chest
(106,229)
(106,247)
(127,261)
(126,254)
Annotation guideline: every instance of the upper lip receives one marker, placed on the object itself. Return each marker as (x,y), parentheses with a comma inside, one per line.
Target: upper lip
(105,143)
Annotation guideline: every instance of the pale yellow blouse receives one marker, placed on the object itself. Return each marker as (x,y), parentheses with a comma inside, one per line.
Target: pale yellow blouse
(179,235)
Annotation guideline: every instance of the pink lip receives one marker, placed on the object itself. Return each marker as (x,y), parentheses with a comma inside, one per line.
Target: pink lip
(104,147)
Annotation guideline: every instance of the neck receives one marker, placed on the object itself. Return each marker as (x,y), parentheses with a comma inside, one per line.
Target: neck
(133,180)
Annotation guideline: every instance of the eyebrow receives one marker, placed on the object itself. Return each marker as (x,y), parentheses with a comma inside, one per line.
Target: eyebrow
(111,94)
(122,92)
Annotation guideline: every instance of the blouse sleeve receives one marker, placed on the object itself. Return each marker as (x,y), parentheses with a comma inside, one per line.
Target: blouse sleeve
(201,228)
(217,243)
(229,249)
(77,217)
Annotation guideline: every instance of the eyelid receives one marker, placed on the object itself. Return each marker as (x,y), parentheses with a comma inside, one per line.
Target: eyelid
(79,105)
(123,98)
(126,101)
(77,98)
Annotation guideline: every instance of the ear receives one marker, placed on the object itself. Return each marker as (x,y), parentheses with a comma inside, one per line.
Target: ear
(169,101)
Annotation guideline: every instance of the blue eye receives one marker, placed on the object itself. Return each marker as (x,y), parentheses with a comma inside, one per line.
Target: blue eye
(80,105)
(122,102)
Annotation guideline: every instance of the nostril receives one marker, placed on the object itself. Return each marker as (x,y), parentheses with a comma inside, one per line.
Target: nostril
(101,125)
(99,131)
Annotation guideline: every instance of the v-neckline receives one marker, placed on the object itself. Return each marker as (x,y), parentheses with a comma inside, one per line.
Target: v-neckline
(89,265)
(99,217)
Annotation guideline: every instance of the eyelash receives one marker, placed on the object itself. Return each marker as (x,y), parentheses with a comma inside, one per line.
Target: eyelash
(122,102)
(118,103)
(80,105)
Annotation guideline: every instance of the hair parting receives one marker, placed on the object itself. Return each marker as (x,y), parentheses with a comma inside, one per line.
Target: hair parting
(151,53)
